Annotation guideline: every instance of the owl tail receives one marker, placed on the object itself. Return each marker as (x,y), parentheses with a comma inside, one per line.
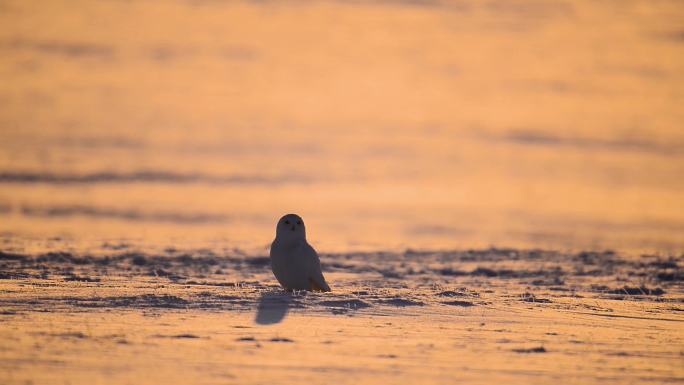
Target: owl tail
(318,285)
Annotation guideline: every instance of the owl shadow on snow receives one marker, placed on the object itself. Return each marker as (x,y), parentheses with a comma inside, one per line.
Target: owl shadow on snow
(273,307)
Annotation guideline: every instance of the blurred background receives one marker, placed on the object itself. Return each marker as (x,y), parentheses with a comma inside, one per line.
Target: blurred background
(385,124)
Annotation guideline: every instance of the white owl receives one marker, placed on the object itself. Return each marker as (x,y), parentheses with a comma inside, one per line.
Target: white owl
(294,262)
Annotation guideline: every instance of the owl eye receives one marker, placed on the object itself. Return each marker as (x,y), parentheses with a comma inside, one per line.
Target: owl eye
(299,222)
(287,222)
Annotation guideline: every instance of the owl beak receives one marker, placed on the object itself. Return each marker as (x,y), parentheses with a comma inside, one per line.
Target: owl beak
(293,228)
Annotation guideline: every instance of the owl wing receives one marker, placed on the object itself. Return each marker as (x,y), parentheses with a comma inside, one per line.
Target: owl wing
(315,274)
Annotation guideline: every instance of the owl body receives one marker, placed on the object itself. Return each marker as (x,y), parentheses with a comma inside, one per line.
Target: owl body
(294,262)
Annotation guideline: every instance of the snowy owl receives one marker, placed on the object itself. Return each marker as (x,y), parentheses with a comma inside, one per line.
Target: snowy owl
(294,262)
